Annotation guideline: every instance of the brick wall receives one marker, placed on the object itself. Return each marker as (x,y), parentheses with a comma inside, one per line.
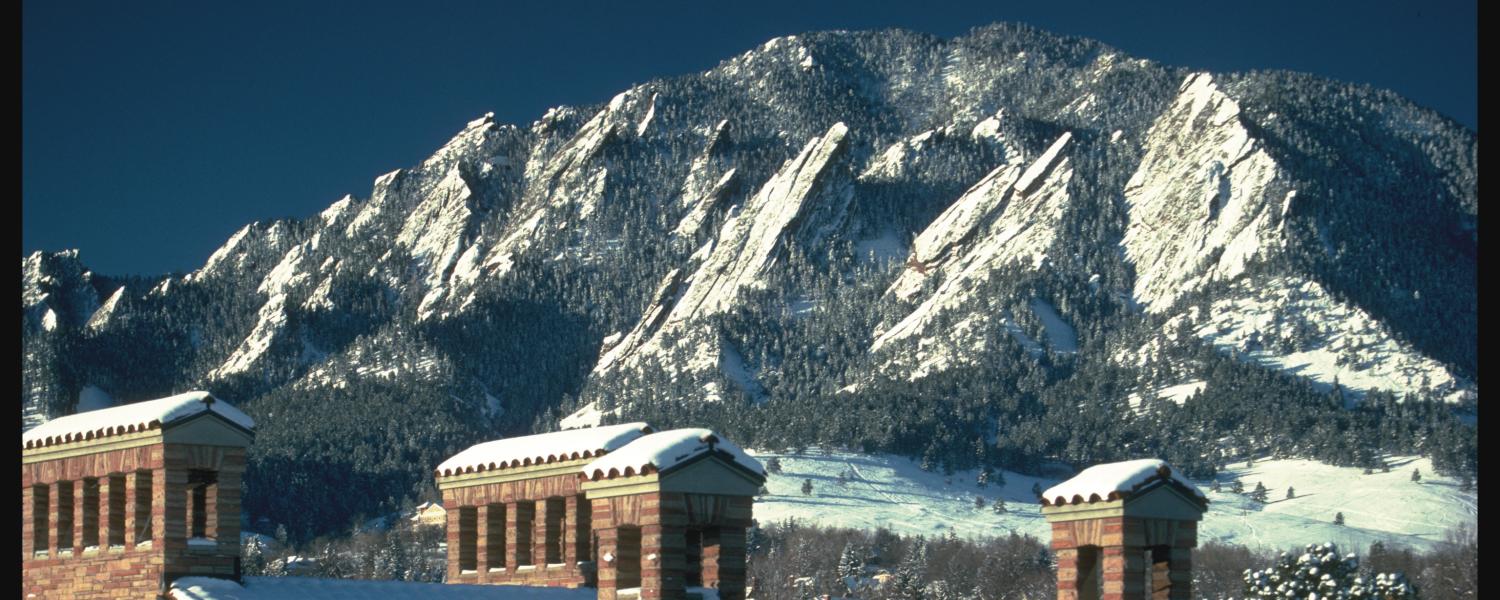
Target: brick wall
(663,519)
(149,555)
(1129,554)
(522,502)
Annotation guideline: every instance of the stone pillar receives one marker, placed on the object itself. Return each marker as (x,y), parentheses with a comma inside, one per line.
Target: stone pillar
(482,542)
(728,571)
(608,562)
(55,518)
(107,509)
(28,522)
(226,503)
(79,501)
(1067,572)
(454,537)
(1124,573)
(177,513)
(570,534)
(539,534)
(159,511)
(662,558)
(512,542)
(132,498)
(1180,574)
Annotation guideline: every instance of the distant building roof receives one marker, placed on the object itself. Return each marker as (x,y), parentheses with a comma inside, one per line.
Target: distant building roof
(1112,481)
(131,418)
(662,451)
(542,448)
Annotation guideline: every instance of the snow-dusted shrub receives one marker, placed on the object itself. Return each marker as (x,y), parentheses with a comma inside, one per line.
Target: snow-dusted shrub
(1321,573)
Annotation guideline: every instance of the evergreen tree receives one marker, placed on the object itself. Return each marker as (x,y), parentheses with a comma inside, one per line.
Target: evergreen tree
(1291,492)
(999,506)
(910,579)
(1036,490)
(807,487)
(1237,487)
(1338,518)
(979,503)
(773,466)
(1260,493)
(851,564)
(1416,475)
(252,556)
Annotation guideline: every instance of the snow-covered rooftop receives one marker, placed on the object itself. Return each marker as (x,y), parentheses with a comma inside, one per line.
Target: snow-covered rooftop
(130,418)
(1111,481)
(664,450)
(542,448)
(309,588)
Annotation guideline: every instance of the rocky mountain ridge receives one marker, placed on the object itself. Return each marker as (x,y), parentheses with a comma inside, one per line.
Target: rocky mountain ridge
(829,218)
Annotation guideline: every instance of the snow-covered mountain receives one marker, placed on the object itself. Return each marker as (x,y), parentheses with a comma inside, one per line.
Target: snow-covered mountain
(1012,224)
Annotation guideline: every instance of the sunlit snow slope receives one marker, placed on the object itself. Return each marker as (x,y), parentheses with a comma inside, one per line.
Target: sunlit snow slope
(893,492)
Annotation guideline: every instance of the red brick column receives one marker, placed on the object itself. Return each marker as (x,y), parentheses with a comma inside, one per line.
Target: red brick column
(1124,573)
(662,558)
(728,564)
(132,497)
(159,507)
(106,510)
(1067,572)
(570,533)
(175,509)
(226,503)
(54,518)
(539,534)
(482,542)
(607,566)
(78,522)
(1180,574)
(453,539)
(28,522)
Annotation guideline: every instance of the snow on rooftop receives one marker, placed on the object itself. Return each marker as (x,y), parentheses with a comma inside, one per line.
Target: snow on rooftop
(1113,480)
(309,588)
(130,418)
(664,450)
(542,448)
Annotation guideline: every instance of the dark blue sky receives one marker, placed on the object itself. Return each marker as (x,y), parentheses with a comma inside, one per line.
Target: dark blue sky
(153,130)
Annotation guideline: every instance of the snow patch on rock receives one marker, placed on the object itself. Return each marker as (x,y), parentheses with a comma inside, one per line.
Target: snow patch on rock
(1205,201)
(997,222)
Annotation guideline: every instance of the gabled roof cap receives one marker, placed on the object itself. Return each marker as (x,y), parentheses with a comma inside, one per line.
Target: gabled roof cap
(660,452)
(542,448)
(1114,481)
(131,418)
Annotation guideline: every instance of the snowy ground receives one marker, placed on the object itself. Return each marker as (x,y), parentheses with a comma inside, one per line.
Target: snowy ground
(892,492)
(299,588)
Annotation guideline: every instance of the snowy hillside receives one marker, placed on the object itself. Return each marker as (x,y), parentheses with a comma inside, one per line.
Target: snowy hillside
(894,493)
